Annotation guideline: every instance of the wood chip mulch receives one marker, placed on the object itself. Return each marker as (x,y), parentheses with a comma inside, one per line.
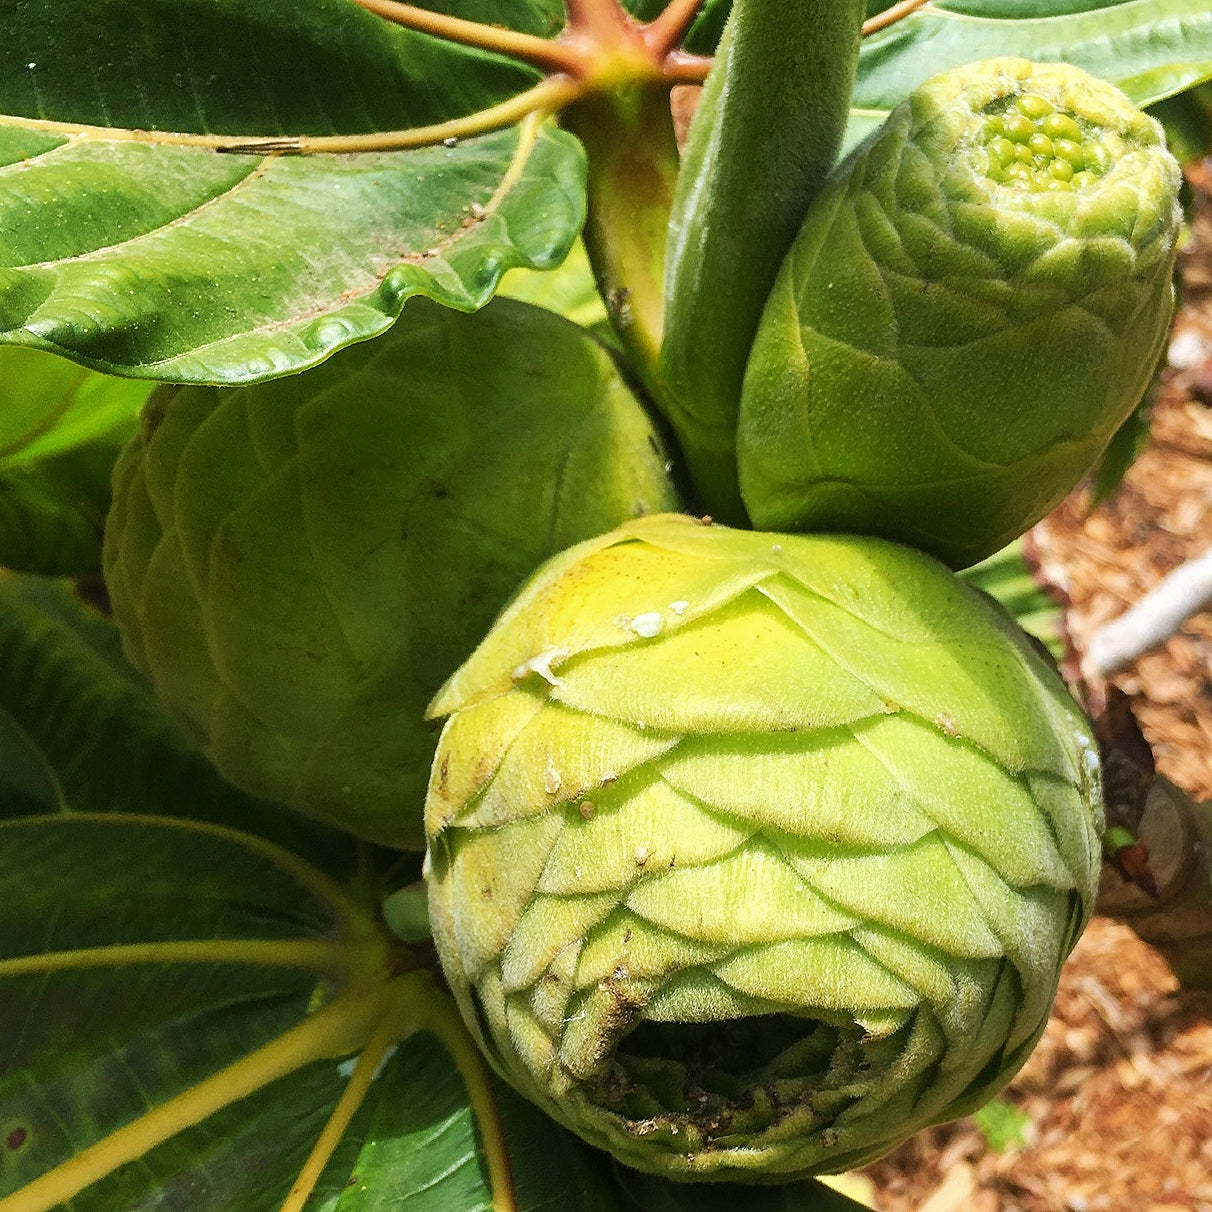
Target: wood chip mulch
(1119,1091)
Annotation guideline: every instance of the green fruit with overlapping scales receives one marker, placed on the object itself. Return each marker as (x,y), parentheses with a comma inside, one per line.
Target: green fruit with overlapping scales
(976,302)
(751,855)
(298,565)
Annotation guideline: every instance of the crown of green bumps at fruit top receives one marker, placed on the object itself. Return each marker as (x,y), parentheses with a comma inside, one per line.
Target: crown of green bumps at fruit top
(752,854)
(299,565)
(976,302)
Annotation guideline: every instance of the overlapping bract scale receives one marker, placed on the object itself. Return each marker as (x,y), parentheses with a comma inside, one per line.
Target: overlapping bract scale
(812,791)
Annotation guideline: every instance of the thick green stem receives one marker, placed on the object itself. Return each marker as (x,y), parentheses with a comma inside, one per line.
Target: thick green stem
(766,134)
(633,164)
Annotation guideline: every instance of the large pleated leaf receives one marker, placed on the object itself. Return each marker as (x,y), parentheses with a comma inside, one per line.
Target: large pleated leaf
(137,960)
(187,1012)
(169,261)
(154,972)
(415,1147)
(182,264)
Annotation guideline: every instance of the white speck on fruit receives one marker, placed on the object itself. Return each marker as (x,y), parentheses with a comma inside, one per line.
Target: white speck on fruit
(1090,758)
(648,625)
(679,607)
(551,779)
(541,665)
(641,855)
(946,723)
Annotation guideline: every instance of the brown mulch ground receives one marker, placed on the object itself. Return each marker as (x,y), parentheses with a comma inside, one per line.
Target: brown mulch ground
(1119,1091)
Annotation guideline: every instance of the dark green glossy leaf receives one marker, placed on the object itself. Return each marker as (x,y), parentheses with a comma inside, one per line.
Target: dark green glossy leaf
(149,970)
(244,67)
(184,264)
(704,31)
(27,784)
(546,17)
(52,514)
(414,1145)
(1149,48)
(87,1046)
(542,17)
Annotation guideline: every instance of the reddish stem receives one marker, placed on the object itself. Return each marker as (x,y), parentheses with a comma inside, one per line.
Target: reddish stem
(597,15)
(683,68)
(664,33)
(552,56)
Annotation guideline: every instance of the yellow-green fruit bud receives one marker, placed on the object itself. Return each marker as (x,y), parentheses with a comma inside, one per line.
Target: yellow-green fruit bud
(299,565)
(752,854)
(975,303)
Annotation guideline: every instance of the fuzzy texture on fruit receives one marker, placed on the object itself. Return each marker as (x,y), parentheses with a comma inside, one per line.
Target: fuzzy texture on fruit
(752,854)
(299,565)
(975,303)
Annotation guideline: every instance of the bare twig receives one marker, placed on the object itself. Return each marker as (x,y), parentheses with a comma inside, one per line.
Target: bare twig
(1152,620)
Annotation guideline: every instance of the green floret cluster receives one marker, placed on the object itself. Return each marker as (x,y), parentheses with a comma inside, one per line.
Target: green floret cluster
(1029,145)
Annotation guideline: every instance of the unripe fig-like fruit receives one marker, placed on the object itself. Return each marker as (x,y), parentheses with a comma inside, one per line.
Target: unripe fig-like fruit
(975,303)
(750,854)
(299,565)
